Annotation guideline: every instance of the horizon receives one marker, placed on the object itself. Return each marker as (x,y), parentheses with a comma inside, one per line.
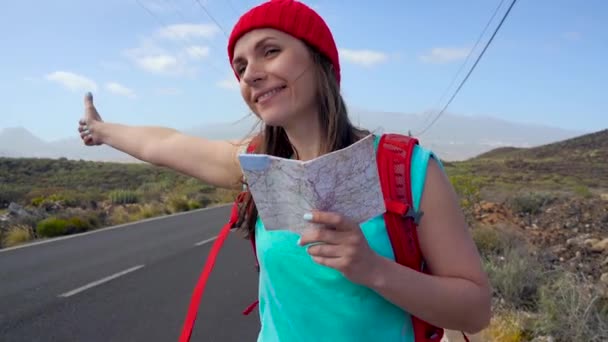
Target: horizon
(163,62)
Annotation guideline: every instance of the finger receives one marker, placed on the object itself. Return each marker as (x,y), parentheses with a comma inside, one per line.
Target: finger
(321,235)
(88,100)
(331,219)
(85,135)
(335,263)
(325,250)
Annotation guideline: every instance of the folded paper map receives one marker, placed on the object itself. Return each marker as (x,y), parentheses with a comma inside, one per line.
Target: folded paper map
(344,181)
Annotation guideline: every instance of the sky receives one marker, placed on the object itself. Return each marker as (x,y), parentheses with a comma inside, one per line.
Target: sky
(164,62)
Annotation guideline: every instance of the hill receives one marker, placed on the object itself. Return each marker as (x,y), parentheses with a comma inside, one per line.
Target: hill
(579,164)
(592,146)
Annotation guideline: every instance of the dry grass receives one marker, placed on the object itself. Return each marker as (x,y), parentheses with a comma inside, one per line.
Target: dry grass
(572,310)
(16,235)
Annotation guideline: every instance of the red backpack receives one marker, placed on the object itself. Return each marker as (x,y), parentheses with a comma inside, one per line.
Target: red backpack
(394,165)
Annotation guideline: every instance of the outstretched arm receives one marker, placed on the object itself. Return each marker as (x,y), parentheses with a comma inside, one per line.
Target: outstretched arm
(212,161)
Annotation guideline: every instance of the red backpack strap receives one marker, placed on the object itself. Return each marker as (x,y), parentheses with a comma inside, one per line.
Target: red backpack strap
(210,263)
(202,281)
(394,166)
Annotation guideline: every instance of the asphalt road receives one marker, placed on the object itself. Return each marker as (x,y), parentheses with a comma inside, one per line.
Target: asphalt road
(130,283)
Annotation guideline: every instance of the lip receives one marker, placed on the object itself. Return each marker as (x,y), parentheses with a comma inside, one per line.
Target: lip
(257,94)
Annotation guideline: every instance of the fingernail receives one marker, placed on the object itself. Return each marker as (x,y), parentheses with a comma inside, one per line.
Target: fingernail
(299,241)
(307,216)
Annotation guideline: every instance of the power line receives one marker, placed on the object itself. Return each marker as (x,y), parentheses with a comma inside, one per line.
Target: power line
(467,59)
(231,5)
(177,10)
(470,71)
(212,18)
(162,23)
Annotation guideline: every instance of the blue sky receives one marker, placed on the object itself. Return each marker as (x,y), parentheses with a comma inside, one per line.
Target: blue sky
(547,64)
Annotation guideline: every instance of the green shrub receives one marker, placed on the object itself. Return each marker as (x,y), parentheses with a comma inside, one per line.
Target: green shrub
(583,191)
(515,277)
(177,203)
(123,197)
(78,225)
(51,227)
(37,201)
(494,240)
(570,310)
(468,189)
(192,205)
(530,203)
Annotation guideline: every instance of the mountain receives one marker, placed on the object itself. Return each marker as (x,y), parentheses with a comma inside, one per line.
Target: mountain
(591,147)
(573,163)
(453,138)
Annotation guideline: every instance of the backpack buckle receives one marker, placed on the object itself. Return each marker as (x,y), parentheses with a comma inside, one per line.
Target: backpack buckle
(413,214)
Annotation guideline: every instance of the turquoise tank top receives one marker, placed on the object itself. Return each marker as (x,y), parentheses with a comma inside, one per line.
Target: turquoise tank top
(300,300)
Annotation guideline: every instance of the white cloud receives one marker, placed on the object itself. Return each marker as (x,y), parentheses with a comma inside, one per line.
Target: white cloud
(572,36)
(363,57)
(445,55)
(188,31)
(151,58)
(229,83)
(197,52)
(168,91)
(119,89)
(72,81)
(158,63)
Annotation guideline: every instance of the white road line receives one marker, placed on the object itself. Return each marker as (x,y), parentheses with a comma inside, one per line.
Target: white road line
(100,281)
(205,241)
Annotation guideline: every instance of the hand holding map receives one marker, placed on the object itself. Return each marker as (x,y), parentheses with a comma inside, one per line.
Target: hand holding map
(344,181)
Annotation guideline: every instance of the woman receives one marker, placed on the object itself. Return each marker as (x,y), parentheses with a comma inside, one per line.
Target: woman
(345,286)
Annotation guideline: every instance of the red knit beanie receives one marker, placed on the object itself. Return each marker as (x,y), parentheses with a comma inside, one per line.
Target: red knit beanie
(293,18)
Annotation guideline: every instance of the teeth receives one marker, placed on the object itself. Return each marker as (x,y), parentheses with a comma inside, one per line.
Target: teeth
(268,94)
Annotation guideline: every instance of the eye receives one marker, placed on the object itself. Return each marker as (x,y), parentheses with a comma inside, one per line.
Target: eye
(270,51)
(240,69)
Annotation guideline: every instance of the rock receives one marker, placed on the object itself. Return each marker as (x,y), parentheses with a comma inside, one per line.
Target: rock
(558,249)
(590,242)
(604,279)
(17,210)
(579,240)
(600,246)
(544,339)
(605,263)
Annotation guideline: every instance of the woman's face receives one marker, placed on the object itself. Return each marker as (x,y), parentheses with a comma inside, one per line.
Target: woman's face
(276,76)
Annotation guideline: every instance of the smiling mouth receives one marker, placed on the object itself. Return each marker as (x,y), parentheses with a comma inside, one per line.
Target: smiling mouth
(269,94)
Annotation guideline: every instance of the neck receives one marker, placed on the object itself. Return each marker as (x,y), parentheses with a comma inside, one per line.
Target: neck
(305,136)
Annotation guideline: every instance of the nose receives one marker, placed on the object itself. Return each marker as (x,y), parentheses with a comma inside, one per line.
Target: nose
(253,74)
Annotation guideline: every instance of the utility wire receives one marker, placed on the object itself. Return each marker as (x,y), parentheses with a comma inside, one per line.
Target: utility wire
(471,70)
(210,16)
(466,60)
(163,24)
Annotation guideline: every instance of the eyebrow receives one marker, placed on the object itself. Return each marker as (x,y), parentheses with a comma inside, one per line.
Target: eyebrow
(257,46)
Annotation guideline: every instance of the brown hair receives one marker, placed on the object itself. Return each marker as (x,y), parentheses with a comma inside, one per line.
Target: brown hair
(337,132)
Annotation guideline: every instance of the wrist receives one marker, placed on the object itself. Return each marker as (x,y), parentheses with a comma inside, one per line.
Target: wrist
(99,128)
(380,270)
